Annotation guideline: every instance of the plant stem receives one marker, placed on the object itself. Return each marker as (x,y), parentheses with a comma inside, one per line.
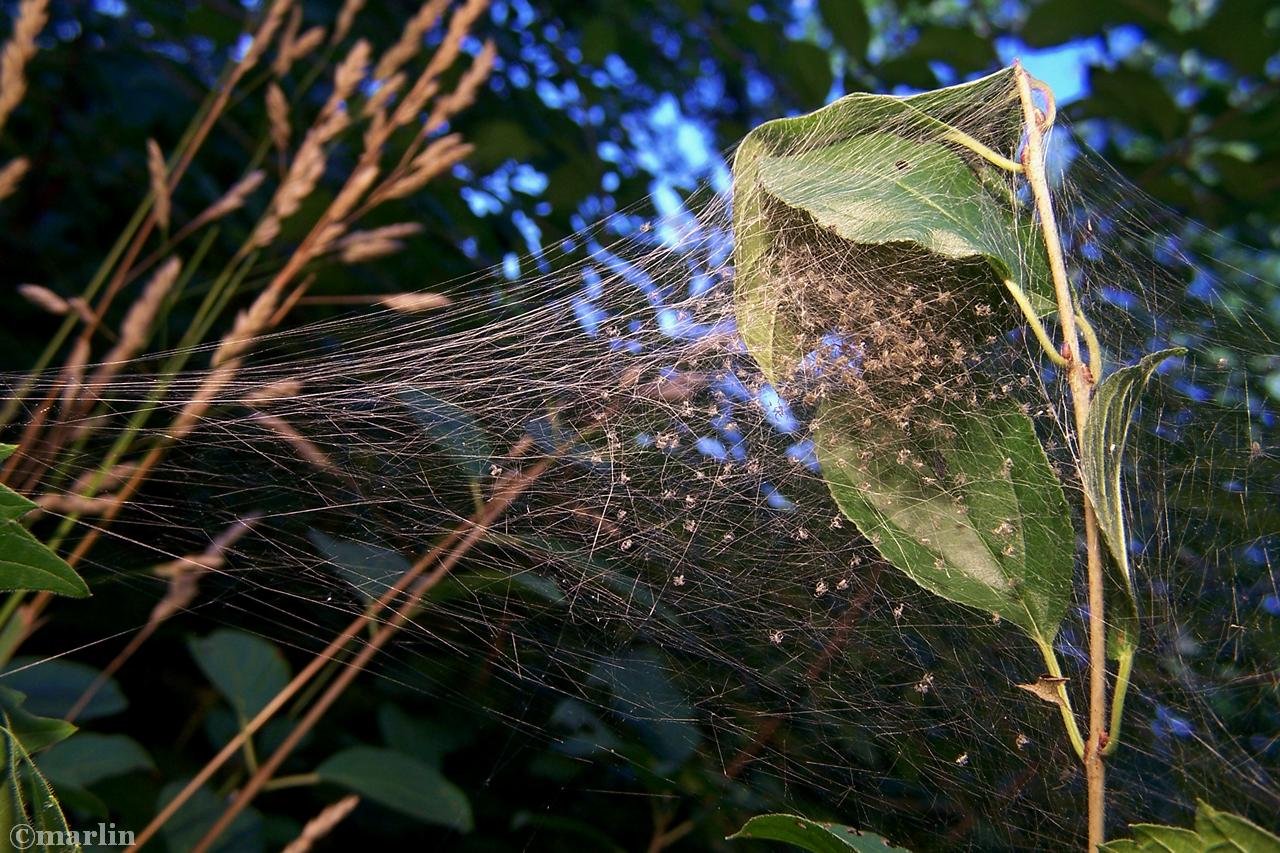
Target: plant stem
(1064,703)
(1081,385)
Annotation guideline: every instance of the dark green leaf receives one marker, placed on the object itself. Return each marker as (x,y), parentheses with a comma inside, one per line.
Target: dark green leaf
(371,569)
(194,818)
(90,757)
(991,530)
(33,732)
(247,670)
(452,429)
(53,687)
(401,783)
(1106,432)
(812,835)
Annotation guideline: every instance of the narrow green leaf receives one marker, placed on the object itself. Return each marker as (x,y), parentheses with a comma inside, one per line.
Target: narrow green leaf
(401,783)
(1106,432)
(89,758)
(28,799)
(247,670)
(979,519)
(812,835)
(6,450)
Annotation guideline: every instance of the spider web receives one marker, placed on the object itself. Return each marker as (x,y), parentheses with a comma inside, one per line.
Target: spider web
(674,562)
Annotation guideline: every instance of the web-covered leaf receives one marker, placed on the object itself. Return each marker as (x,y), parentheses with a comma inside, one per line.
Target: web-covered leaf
(978,518)
(812,835)
(1106,433)
(876,169)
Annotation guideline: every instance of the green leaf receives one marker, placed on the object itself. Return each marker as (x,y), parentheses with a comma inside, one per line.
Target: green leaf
(847,20)
(656,709)
(1167,839)
(983,522)
(1215,832)
(32,731)
(401,783)
(90,757)
(1106,433)
(876,169)
(52,687)
(1224,832)
(452,429)
(371,569)
(812,835)
(247,670)
(26,563)
(194,818)
(27,798)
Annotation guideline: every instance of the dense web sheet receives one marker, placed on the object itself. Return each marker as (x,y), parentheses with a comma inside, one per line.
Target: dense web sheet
(655,430)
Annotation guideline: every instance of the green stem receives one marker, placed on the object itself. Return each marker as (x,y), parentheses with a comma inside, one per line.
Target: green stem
(1117,702)
(297,780)
(1091,341)
(1033,320)
(1064,703)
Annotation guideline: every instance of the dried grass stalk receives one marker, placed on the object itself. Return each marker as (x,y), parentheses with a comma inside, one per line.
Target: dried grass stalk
(232,200)
(439,156)
(262,39)
(464,94)
(44,298)
(322,824)
(93,482)
(278,117)
(410,41)
(137,322)
(386,91)
(73,373)
(184,573)
(274,391)
(412,303)
(303,446)
(346,17)
(11,174)
(158,173)
(72,504)
(32,16)
(306,43)
(282,62)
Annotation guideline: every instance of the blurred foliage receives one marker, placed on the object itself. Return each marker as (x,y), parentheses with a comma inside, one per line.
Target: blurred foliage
(596,107)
